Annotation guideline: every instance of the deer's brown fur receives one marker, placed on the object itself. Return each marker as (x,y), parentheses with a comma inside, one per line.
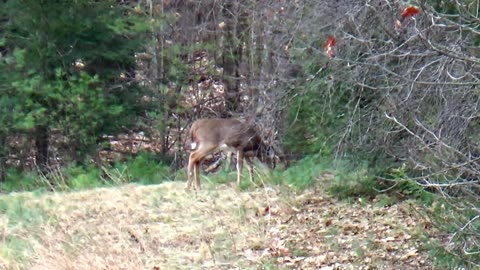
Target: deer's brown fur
(210,135)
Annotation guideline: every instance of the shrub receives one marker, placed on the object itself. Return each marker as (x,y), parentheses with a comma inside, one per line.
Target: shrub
(305,172)
(353,180)
(20,181)
(146,168)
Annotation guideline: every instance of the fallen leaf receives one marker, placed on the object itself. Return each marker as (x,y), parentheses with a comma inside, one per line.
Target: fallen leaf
(410,11)
(413,252)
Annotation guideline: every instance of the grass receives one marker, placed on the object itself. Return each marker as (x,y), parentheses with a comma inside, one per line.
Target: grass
(446,259)
(145,168)
(307,217)
(143,226)
(221,227)
(20,219)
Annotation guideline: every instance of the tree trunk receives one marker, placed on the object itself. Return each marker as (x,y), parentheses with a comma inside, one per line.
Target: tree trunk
(231,59)
(41,147)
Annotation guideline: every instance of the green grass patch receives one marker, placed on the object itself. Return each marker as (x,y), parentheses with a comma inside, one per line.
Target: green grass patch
(22,219)
(220,177)
(272,264)
(445,259)
(306,172)
(303,174)
(353,180)
(18,211)
(15,249)
(145,168)
(77,177)
(228,175)
(21,181)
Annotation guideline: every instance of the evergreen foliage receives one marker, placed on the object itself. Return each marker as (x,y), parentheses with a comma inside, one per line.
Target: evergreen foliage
(69,66)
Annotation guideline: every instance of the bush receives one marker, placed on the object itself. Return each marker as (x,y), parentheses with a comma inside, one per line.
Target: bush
(83,177)
(21,181)
(353,180)
(306,172)
(314,118)
(146,168)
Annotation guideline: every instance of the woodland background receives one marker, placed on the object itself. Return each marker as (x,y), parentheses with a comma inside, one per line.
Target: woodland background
(94,91)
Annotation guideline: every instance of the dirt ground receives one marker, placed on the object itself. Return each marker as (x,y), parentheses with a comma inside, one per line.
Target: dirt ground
(165,227)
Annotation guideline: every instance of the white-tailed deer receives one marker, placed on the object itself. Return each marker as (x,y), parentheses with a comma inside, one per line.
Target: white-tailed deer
(210,135)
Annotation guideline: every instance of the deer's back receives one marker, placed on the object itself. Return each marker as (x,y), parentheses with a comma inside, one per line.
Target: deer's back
(231,132)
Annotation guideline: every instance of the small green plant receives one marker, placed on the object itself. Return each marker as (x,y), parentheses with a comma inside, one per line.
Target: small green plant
(271,264)
(21,181)
(86,180)
(445,259)
(456,218)
(305,172)
(73,176)
(146,168)
(245,185)
(299,252)
(402,184)
(353,181)
(385,200)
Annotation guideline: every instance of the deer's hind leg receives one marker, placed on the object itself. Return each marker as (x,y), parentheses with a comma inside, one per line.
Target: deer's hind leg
(195,159)
(190,171)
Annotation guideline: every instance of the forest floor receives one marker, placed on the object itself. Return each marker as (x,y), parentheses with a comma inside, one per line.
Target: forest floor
(164,227)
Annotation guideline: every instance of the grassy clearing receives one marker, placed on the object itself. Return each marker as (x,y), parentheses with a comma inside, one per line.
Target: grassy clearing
(132,227)
(164,227)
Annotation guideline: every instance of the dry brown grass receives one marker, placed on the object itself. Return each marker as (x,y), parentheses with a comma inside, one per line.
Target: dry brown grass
(140,227)
(164,227)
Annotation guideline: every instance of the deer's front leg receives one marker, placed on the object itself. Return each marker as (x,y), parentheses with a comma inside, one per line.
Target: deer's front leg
(250,167)
(239,166)
(190,172)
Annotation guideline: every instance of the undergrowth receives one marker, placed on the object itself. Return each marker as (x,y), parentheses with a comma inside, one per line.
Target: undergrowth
(305,173)
(145,168)
(353,180)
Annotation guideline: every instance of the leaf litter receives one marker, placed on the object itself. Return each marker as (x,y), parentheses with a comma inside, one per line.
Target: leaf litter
(165,227)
